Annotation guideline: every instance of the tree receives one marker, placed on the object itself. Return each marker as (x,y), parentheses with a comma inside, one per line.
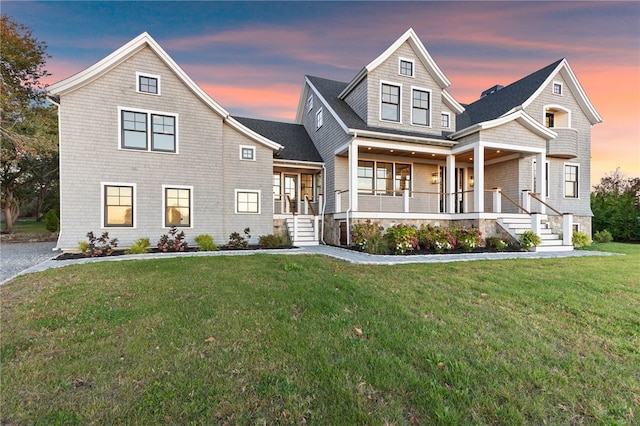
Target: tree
(28,127)
(615,203)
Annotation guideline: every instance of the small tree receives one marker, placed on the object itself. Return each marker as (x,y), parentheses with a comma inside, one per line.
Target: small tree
(615,203)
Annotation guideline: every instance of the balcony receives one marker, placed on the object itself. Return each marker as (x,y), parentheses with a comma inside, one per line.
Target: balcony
(565,145)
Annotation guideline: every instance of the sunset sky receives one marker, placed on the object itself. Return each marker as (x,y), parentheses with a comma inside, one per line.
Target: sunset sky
(251,57)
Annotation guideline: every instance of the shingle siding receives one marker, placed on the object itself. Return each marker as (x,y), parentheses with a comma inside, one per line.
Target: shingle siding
(357,99)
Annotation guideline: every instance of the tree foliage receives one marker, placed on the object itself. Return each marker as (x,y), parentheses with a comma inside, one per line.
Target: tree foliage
(615,203)
(28,127)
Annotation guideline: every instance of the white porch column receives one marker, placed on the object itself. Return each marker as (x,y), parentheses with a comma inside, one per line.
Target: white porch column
(338,207)
(353,176)
(478,177)
(405,200)
(497,200)
(567,229)
(541,167)
(451,184)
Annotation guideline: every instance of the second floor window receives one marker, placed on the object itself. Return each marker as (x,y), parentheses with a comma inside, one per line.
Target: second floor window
(549,119)
(420,111)
(319,119)
(445,120)
(390,102)
(147,131)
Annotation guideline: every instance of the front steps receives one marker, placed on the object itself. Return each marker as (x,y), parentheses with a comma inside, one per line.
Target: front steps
(305,235)
(550,241)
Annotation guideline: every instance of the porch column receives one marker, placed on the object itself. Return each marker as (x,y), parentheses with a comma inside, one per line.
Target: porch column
(541,167)
(451,184)
(478,177)
(353,176)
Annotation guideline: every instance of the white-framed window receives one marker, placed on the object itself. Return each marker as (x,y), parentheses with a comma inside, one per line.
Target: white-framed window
(420,107)
(310,102)
(177,206)
(247,153)
(390,102)
(406,67)
(557,116)
(277,186)
(534,182)
(557,88)
(383,178)
(571,179)
(147,83)
(118,204)
(148,130)
(319,118)
(247,201)
(445,120)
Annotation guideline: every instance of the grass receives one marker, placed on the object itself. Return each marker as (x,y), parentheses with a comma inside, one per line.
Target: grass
(307,339)
(27,227)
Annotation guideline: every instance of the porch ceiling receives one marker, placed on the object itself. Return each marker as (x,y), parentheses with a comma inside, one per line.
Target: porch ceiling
(490,154)
(401,153)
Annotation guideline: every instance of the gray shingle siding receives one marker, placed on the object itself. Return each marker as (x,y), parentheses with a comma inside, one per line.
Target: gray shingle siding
(357,99)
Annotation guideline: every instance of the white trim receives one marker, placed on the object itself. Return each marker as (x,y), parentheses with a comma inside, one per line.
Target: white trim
(319,118)
(235,124)
(402,138)
(558,107)
(448,114)
(422,89)
(399,86)
(250,191)
(164,205)
(326,105)
(310,102)
(564,181)
(134,202)
(253,152)
(413,67)
(522,117)
(149,113)
(449,101)
(553,88)
(148,75)
(500,146)
(546,180)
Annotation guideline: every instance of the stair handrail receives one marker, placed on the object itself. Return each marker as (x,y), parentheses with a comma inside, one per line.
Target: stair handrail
(535,197)
(292,207)
(514,203)
(308,201)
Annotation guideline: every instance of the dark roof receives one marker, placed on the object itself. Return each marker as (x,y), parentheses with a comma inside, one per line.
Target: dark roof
(497,103)
(330,89)
(295,139)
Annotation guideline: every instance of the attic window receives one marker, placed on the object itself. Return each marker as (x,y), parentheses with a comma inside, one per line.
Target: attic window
(406,67)
(148,84)
(310,103)
(557,88)
(319,119)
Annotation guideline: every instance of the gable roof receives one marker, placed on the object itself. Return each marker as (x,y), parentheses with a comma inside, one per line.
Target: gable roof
(520,94)
(329,91)
(297,145)
(411,37)
(131,48)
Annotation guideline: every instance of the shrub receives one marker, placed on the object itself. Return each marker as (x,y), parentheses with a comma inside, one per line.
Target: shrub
(529,239)
(437,238)
(51,221)
(174,241)
(377,244)
(272,241)
(83,246)
(402,238)
(602,237)
(99,246)
(205,243)
(363,232)
(496,243)
(580,240)
(237,241)
(467,239)
(139,246)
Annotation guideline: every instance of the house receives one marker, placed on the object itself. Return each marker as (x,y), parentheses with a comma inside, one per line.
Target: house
(143,148)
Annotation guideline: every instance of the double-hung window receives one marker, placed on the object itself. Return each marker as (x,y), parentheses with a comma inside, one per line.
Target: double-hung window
(571,181)
(390,102)
(118,205)
(445,120)
(420,108)
(177,206)
(148,131)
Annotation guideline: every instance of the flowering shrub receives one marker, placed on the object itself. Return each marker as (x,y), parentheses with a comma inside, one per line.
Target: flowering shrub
(467,239)
(402,238)
(99,246)
(362,234)
(496,243)
(437,238)
(172,242)
(529,239)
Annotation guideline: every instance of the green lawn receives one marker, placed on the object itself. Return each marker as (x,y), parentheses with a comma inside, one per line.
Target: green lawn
(267,339)
(27,226)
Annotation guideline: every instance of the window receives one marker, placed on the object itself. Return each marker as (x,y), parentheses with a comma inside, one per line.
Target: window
(445,120)
(390,103)
(549,119)
(177,206)
(118,205)
(319,119)
(247,153)
(557,88)
(546,178)
(389,177)
(247,201)
(277,191)
(148,84)
(420,110)
(306,186)
(310,103)
(406,67)
(143,131)
(571,181)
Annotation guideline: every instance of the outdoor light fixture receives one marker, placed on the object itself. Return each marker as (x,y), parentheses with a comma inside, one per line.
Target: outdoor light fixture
(471,181)
(435,179)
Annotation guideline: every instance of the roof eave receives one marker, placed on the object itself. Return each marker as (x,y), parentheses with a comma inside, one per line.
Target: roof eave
(402,138)
(253,135)
(521,116)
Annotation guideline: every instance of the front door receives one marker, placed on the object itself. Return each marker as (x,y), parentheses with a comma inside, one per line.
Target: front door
(291,189)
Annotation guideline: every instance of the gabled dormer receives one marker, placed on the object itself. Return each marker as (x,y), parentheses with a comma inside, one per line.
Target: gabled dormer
(403,89)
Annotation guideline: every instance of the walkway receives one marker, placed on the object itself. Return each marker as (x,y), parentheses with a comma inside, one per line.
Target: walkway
(335,252)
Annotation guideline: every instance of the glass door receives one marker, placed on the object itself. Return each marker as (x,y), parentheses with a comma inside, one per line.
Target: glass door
(291,189)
